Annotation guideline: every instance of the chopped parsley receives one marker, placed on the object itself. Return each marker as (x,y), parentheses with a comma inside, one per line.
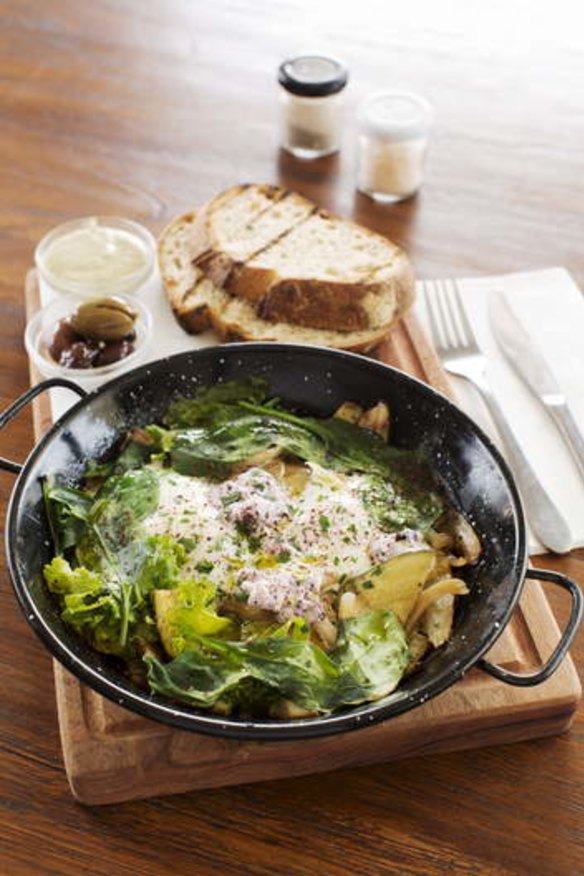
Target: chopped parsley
(325,523)
(242,596)
(230,499)
(189,544)
(205,566)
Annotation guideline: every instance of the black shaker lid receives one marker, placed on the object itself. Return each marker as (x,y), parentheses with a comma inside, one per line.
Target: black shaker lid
(312,75)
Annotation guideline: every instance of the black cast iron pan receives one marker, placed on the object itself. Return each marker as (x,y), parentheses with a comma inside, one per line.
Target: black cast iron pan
(475,477)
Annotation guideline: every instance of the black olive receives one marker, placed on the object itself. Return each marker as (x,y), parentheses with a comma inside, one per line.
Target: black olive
(81,354)
(64,337)
(113,352)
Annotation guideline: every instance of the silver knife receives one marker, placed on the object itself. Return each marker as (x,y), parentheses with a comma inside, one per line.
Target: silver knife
(531,366)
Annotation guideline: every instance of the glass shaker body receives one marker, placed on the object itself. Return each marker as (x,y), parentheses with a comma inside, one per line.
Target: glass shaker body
(392,145)
(311,103)
(310,127)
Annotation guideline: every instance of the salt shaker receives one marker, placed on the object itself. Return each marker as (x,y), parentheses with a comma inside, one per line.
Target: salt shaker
(311,105)
(394,129)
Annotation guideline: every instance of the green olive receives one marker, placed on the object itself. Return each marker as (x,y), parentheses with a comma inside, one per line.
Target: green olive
(103,319)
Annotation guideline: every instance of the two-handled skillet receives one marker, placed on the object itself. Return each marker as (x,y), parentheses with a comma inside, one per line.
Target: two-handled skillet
(474,475)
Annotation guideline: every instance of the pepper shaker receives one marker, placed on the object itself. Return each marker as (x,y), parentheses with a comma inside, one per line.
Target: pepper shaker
(311,105)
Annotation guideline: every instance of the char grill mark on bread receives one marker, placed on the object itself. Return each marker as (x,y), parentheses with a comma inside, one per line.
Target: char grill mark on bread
(222,223)
(262,263)
(222,260)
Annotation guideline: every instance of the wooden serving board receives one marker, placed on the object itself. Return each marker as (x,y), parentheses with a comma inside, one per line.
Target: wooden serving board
(112,754)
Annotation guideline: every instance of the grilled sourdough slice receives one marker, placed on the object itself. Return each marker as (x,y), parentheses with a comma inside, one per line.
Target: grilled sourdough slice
(327,273)
(236,225)
(199,305)
(180,276)
(273,262)
(236,320)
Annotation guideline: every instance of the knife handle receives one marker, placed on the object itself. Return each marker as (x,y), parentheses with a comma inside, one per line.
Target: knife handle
(569,428)
(544,517)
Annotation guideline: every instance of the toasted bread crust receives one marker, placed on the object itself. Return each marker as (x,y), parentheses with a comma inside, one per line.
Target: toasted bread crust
(206,249)
(243,300)
(194,321)
(356,342)
(313,304)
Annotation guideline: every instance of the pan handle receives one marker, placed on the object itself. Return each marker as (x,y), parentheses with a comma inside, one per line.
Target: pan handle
(531,679)
(25,399)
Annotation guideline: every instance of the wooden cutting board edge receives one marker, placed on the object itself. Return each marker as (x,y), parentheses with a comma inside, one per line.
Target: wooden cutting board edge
(118,756)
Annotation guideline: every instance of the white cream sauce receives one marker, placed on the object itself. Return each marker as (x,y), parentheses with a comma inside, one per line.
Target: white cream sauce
(249,535)
(95,253)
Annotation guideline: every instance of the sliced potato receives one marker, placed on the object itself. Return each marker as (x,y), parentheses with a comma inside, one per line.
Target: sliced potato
(455,586)
(376,419)
(440,541)
(396,585)
(465,542)
(349,411)
(260,459)
(295,477)
(276,467)
(436,622)
(163,602)
(349,605)
(418,645)
(324,634)
(286,709)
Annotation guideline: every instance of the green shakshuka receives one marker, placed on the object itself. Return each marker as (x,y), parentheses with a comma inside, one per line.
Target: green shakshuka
(244,558)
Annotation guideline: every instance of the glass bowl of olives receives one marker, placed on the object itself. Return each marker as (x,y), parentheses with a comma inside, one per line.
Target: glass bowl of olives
(88,340)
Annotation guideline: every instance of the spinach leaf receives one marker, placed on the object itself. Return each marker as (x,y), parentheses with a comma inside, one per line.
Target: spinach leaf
(368,663)
(212,671)
(350,447)
(394,509)
(404,491)
(215,404)
(127,566)
(67,511)
(213,451)
(133,455)
(373,649)
(136,491)
(158,560)
(112,521)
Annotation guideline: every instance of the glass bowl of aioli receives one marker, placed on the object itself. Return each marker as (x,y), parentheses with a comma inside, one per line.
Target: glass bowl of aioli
(40,333)
(96,255)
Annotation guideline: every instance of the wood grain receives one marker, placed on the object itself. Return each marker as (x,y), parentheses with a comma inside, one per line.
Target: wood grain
(144,110)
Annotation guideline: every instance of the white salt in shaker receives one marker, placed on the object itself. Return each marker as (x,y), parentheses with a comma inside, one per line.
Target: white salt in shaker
(311,105)
(394,127)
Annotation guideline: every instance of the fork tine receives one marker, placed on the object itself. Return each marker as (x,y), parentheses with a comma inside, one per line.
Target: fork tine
(433,319)
(449,327)
(453,306)
(467,329)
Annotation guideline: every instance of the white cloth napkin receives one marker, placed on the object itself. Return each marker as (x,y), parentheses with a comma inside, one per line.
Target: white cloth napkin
(551,307)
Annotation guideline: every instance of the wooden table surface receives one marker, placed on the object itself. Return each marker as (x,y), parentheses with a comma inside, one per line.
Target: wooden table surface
(146,109)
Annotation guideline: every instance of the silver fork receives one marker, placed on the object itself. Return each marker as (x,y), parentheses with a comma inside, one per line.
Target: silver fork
(461,355)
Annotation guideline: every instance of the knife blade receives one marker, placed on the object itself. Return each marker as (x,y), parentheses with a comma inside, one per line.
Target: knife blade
(528,362)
